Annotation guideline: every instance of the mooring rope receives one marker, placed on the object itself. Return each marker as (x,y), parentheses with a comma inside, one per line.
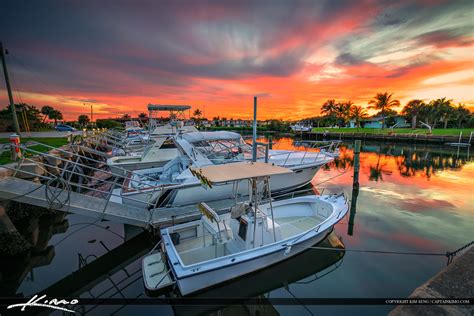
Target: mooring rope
(449,255)
(52,194)
(452,254)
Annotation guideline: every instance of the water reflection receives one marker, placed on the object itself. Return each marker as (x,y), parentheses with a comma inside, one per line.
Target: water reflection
(408,160)
(30,231)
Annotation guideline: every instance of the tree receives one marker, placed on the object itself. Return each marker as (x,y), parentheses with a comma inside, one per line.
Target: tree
(343,110)
(329,109)
(110,124)
(46,111)
(126,116)
(142,116)
(358,113)
(461,115)
(197,113)
(412,109)
(83,120)
(55,115)
(443,110)
(382,102)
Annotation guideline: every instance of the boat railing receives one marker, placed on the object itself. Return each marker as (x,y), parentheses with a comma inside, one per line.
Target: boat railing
(321,150)
(69,171)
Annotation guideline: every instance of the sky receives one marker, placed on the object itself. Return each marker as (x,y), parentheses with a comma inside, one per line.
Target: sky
(120,56)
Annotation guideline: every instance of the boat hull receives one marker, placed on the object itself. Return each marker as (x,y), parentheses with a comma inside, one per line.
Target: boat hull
(198,193)
(198,282)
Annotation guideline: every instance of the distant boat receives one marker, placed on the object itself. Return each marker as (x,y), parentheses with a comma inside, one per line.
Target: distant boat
(461,144)
(218,248)
(301,127)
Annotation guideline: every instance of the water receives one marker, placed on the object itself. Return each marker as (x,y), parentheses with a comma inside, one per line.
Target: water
(411,198)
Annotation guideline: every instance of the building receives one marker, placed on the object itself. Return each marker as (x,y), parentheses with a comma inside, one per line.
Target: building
(376,122)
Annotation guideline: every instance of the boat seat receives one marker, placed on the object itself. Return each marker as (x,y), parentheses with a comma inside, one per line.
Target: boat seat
(214,224)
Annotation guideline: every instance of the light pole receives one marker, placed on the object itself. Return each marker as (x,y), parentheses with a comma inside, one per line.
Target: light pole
(91,112)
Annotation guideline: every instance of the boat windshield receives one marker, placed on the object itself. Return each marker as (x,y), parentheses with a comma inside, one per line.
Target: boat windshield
(226,150)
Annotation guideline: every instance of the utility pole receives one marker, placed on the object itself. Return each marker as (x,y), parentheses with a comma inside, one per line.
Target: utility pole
(254,147)
(9,89)
(91,113)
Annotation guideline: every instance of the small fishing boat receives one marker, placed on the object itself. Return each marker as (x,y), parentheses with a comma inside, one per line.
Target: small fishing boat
(301,127)
(249,236)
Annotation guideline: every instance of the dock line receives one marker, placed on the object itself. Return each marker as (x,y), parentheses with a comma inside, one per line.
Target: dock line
(448,255)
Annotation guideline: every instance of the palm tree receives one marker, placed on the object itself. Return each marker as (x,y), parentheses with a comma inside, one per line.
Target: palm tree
(358,113)
(343,111)
(55,115)
(382,102)
(412,109)
(197,113)
(461,114)
(443,110)
(329,109)
(83,120)
(46,110)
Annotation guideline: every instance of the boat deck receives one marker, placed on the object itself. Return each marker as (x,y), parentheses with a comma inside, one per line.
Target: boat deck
(290,226)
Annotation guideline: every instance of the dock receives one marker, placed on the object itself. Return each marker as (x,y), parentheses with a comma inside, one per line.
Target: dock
(456,281)
(404,138)
(34,193)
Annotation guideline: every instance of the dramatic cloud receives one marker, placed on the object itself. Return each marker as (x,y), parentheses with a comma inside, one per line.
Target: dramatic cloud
(123,55)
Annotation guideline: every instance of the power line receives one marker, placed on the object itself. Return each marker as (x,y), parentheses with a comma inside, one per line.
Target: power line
(34,73)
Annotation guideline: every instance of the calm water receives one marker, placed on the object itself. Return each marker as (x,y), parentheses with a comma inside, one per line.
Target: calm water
(411,198)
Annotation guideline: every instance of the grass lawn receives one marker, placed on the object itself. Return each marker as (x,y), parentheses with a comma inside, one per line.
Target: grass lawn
(436,131)
(53,142)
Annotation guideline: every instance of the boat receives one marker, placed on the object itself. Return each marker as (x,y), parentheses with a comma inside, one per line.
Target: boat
(156,154)
(309,266)
(251,236)
(173,184)
(157,142)
(301,127)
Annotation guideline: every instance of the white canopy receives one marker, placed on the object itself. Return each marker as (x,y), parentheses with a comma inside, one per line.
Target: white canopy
(237,171)
(210,136)
(165,107)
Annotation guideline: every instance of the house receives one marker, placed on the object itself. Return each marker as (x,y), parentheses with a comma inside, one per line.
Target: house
(376,122)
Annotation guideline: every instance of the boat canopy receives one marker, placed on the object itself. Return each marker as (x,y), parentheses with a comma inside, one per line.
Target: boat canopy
(167,107)
(216,174)
(211,136)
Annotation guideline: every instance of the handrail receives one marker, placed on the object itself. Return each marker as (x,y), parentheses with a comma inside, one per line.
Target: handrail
(74,172)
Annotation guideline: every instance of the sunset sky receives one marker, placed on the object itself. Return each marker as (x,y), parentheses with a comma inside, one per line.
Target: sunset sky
(120,56)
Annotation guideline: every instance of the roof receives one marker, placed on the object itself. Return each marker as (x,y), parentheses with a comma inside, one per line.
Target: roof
(210,136)
(216,174)
(167,107)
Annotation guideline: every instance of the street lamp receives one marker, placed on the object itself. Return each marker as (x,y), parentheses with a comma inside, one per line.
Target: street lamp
(91,112)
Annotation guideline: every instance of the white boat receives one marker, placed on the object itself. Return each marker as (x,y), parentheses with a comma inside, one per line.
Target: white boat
(301,127)
(158,146)
(307,267)
(252,236)
(175,185)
